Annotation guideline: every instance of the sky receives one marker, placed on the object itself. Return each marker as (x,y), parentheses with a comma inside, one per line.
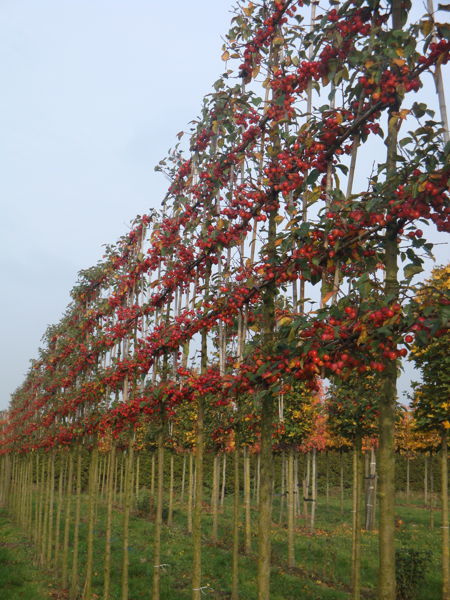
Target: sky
(93,95)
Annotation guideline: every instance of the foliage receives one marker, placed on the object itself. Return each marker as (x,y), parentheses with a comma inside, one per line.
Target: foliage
(411,568)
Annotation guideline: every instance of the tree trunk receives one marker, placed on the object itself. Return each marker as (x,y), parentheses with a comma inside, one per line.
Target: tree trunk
(108,532)
(290,508)
(128,492)
(407,479)
(87,593)
(198,508)
(76,530)
(236,520)
(267,414)
(158,519)
(215,498)
(183,480)
(370,500)
(313,489)
(386,463)
(62,468)
(247,503)
(431,492)
(445,521)
(282,487)
(190,491)
(224,481)
(170,508)
(358,470)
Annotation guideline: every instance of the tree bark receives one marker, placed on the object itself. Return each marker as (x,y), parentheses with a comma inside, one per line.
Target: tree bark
(386,462)
(158,518)
(445,519)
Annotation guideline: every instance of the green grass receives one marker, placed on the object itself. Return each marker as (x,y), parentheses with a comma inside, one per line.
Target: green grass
(20,579)
(323,559)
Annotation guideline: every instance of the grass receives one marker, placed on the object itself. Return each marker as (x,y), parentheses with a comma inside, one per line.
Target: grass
(20,579)
(323,559)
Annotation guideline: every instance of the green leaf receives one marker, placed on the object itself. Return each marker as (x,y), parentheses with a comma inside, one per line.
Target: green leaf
(411,270)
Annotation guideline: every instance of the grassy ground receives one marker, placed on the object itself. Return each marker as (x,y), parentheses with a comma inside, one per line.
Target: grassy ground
(323,558)
(19,578)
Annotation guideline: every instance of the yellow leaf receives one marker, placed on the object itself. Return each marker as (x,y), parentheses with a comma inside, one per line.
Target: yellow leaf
(284,321)
(327,297)
(362,336)
(225,55)
(279,219)
(249,9)
(427,27)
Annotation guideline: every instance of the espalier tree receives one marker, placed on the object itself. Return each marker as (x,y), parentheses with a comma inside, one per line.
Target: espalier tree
(209,303)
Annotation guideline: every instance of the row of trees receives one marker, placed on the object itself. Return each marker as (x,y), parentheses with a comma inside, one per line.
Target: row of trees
(272,268)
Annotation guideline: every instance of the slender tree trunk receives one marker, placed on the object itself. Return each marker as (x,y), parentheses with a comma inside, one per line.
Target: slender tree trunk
(358,470)
(296,487)
(247,503)
(51,510)
(152,485)
(215,498)
(62,468)
(190,491)
(282,487)
(313,489)
(138,477)
(170,508)
(290,508)
(341,480)
(198,508)
(431,492)
(87,593)
(158,518)
(386,462)
(128,493)
(407,479)
(370,501)
(224,481)
(76,531)
(108,532)
(445,519)
(67,519)
(306,485)
(183,479)
(236,521)
(267,415)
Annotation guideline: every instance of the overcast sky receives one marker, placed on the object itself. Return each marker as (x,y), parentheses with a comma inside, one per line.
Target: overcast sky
(93,94)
